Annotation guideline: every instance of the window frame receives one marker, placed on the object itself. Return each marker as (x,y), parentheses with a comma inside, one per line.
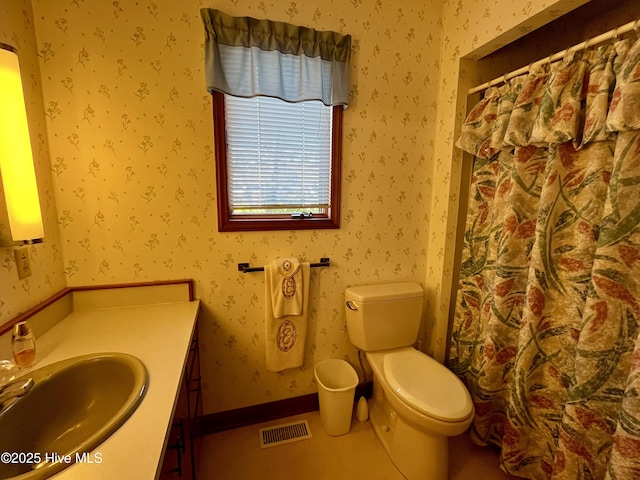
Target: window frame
(227,222)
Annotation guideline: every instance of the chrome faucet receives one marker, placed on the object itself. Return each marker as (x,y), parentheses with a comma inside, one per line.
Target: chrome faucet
(15,389)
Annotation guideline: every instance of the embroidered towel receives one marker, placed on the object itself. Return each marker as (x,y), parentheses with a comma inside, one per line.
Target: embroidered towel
(286,287)
(285,335)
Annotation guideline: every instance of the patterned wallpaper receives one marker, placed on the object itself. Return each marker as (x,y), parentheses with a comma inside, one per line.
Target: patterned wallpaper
(131,156)
(17,30)
(130,132)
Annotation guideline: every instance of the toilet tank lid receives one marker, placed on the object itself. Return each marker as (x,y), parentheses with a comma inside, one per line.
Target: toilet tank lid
(384,291)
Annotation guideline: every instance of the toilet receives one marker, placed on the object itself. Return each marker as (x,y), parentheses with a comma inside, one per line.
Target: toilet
(417,402)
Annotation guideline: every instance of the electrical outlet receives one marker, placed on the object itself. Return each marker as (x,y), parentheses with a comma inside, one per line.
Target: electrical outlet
(23,262)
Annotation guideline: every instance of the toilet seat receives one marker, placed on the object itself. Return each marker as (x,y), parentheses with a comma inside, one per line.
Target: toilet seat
(427,385)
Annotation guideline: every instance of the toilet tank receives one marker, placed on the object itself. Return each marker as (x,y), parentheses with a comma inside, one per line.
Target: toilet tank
(380,317)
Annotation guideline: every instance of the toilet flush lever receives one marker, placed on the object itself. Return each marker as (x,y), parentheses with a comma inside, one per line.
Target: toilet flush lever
(351,305)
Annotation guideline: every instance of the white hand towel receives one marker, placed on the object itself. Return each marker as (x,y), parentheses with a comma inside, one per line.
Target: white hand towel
(285,335)
(287,287)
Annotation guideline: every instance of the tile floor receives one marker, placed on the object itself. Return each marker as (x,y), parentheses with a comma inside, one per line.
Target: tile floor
(236,455)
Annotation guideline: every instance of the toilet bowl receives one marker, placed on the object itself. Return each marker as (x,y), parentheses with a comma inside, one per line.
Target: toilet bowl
(428,387)
(417,402)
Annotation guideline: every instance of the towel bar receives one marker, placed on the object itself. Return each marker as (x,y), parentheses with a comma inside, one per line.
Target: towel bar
(245,268)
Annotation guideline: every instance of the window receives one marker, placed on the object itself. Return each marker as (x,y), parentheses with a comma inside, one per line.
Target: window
(278,95)
(278,163)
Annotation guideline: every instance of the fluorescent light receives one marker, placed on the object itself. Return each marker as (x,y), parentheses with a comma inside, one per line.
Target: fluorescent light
(16,158)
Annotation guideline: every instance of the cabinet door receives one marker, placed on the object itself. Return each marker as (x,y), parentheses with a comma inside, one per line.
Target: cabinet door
(180,456)
(194,398)
(193,379)
(177,458)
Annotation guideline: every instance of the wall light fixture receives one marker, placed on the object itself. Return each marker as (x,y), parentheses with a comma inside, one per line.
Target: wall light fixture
(16,158)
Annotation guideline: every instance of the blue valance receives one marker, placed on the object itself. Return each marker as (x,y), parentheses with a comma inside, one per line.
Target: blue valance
(246,57)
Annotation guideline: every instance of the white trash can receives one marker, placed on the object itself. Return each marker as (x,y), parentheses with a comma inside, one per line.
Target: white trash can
(337,381)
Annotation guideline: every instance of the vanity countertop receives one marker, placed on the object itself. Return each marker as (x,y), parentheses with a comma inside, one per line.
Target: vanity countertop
(159,335)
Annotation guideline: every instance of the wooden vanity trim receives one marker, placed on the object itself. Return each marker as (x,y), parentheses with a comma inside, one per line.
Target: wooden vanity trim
(26,315)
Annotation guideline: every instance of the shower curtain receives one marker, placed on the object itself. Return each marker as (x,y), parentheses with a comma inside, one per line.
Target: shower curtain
(546,332)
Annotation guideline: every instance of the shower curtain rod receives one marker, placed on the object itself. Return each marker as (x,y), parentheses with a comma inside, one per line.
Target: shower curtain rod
(558,56)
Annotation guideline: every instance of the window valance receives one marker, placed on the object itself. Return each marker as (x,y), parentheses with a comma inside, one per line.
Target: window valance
(247,57)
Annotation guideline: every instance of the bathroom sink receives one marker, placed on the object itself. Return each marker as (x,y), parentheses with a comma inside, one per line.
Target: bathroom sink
(71,407)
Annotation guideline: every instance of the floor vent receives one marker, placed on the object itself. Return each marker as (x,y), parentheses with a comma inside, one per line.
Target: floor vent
(285,433)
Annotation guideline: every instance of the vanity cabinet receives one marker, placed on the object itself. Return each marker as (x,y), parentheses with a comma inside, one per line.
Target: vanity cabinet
(180,455)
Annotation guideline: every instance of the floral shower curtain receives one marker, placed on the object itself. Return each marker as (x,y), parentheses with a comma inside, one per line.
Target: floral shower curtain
(546,333)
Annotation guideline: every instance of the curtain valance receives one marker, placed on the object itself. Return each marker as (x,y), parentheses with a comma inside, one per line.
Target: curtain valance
(588,97)
(247,57)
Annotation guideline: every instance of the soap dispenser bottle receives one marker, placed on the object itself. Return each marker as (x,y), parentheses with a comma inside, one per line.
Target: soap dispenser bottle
(23,343)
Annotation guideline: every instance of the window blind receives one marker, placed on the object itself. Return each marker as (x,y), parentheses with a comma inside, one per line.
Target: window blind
(278,155)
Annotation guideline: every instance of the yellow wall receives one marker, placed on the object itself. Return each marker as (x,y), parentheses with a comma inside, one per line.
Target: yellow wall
(130,130)
(17,30)
(129,127)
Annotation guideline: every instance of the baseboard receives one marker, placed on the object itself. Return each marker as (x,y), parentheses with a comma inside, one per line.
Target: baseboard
(218,422)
